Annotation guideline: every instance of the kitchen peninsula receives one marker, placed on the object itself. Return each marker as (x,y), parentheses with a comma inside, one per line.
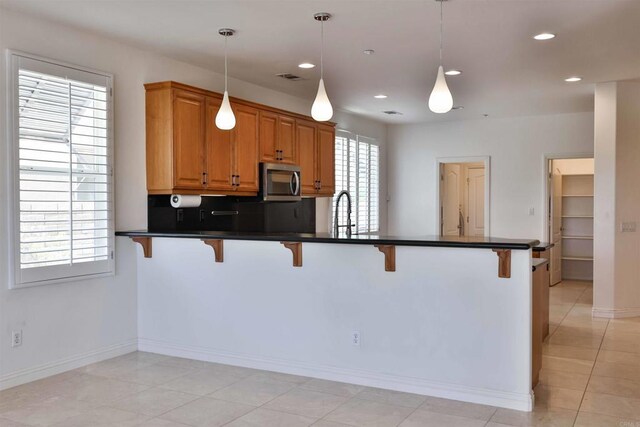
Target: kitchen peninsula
(452,326)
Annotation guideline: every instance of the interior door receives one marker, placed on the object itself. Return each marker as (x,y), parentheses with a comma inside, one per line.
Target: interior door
(219,161)
(306,136)
(450,199)
(245,146)
(188,137)
(555,226)
(475,202)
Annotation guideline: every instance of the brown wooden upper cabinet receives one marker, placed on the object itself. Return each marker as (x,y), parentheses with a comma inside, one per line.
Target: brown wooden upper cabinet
(188,154)
(316,143)
(326,160)
(231,164)
(278,138)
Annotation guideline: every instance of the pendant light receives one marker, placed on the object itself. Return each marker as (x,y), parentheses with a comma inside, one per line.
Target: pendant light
(440,100)
(321,110)
(225,119)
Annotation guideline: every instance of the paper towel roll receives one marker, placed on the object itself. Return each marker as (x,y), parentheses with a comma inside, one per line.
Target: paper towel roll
(180,201)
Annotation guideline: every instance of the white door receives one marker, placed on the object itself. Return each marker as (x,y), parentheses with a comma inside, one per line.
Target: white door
(450,199)
(475,202)
(555,226)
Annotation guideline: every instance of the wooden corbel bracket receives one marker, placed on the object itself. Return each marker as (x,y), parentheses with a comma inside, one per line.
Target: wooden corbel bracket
(218,248)
(296,249)
(145,242)
(504,263)
(389,252)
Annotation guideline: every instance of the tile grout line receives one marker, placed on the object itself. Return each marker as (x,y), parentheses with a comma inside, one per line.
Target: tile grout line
(592,367)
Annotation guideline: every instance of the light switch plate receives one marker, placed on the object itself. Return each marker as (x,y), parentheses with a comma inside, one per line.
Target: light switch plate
(628,227)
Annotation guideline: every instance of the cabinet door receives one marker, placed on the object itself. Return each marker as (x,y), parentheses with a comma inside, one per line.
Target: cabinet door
(188,140)
(306,136)
(268,136)
(326,160)
(219,159)
(245,144)
(287,140)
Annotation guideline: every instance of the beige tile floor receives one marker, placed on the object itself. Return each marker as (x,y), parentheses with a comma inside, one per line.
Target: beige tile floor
(590,377)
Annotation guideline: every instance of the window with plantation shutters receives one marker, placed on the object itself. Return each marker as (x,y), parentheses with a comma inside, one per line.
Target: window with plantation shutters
(62,171)
(358,171)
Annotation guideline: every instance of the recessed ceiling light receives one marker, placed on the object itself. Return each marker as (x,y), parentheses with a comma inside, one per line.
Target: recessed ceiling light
(544,36)
(306,65)
(453,72)
(573,79)
(381,96)
(368,51)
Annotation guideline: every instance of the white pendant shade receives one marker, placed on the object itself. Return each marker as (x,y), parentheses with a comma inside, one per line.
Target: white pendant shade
(440,100)
(225,119)
(321,110)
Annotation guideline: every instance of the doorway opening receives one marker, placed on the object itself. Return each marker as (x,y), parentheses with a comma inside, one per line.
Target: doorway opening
(463,197)
(570,218)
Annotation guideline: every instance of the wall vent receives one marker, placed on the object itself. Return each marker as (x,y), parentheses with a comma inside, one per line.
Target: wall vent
(393,112)
(289,76)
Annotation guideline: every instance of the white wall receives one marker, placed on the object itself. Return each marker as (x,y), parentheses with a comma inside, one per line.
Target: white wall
(429,327)
(517,147)
(617,200)
(64,321)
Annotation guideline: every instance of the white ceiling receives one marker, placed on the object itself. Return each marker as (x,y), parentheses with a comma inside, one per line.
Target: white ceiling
(505,72)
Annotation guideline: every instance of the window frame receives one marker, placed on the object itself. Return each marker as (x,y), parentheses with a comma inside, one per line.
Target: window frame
(342,133)
(13,172)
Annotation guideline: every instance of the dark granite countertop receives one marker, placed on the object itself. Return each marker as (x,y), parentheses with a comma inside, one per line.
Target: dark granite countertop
(542,246)
(358,239)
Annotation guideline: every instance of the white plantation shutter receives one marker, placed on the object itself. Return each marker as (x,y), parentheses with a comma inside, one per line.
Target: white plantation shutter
(358,171)
(64,189)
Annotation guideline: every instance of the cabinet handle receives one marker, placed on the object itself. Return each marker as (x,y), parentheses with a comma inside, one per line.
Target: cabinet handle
(204,178)
(319,185)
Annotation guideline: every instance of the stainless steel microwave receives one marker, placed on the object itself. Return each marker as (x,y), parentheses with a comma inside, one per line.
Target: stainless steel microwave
(280,182)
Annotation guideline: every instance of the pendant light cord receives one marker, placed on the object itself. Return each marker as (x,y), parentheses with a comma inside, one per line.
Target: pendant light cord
(321,48)
(225,62)
(441,1)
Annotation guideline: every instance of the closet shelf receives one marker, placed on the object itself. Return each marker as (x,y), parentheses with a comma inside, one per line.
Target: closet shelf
(577,195)
(577,258)
(577,216)
(578,237)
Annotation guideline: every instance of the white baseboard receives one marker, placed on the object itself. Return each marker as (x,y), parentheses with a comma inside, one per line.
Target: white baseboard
(66,364)
(518,401)
(615,313)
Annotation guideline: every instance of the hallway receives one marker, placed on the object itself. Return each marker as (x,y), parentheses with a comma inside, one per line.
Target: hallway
(589,365)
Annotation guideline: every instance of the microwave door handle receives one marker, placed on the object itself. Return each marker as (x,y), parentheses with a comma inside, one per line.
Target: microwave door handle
(295,190)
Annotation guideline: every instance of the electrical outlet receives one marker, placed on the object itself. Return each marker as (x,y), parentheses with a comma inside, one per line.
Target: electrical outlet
(16,338)
(355,338)
(532,211)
